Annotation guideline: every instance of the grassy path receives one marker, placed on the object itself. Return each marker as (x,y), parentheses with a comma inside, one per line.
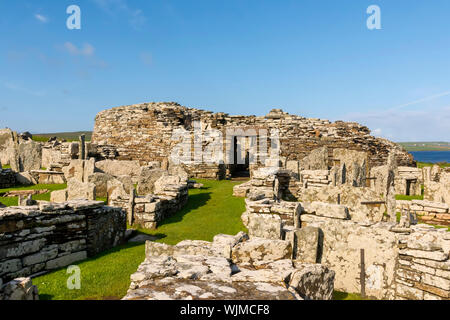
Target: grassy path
(12,201)
(210,211)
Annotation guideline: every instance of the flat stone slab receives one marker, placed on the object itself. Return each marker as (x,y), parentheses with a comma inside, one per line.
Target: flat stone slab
(184,289)
(143,238)
(16,193)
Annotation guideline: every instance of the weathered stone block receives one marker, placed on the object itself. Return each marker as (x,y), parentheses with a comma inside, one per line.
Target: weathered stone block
(40,257)
(59,196)
(65,260)
(313,281)
(264,226)
(306,244)
(259,251)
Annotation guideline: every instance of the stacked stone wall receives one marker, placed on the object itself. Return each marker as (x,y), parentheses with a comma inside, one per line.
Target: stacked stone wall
(7,178)
(400,261)
(144,132)
(49,236)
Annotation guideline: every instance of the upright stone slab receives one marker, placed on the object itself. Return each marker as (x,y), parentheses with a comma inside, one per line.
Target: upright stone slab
(82,147)
(306,244)
(80,190)
(266,226)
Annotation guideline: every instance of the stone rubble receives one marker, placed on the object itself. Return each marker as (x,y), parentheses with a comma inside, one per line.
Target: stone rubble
(230,267)
(330,227)
(18,289)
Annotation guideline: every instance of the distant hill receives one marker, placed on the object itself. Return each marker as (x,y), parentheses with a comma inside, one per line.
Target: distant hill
(425,146)
(68,136)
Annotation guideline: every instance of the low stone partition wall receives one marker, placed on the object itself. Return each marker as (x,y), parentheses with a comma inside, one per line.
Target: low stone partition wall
(316,178)
(229,268)
(7,178)
(206,171)
(423,265)
(364,204)
(48,177)
(326,234)
(388,252)
(170,196)
(271,219)
(49,236)
(427,211)
(148,211)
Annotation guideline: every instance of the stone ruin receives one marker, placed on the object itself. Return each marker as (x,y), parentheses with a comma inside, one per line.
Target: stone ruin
(319,218)
(38,238)
(230,267)
(337,229)
(18,289)
(161,194)
(435,208)
(144,132)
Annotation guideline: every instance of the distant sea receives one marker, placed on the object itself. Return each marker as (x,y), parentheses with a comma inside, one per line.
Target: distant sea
(431,156)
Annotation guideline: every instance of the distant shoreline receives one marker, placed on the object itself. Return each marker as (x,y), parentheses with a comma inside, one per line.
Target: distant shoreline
(425,146)
(441,156)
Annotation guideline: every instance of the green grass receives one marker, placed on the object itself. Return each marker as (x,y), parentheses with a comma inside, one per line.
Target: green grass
(13,201)
(429,164)
(6,166)
(338,295)
(69,136)
(409,198)
(105,276)
(209,211)
(425,146)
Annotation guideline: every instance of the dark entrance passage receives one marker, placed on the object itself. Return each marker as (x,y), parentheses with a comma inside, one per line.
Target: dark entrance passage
(241,160)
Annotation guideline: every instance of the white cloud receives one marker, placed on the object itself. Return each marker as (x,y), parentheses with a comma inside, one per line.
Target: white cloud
(135,17)
(427,121)
(41,18)
(87,50)
(428,124)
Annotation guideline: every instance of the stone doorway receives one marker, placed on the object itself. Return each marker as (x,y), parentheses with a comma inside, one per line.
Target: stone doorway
(241,159)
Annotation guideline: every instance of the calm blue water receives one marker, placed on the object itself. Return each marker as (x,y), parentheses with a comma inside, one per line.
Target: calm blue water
(431,156)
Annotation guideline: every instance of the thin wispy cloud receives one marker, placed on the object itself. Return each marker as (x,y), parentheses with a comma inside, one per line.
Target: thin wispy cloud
(430,98)
(85,58)
(428,123)
(87,50)
(135,16)
(21,89)
(41,18)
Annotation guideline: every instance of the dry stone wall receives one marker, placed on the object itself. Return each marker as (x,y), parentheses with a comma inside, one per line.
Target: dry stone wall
(7,178)
(169,196)
(331,226)
(427,211)
(49,236)
(144,132)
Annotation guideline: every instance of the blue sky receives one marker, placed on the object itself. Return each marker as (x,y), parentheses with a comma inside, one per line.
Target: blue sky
(315,58)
